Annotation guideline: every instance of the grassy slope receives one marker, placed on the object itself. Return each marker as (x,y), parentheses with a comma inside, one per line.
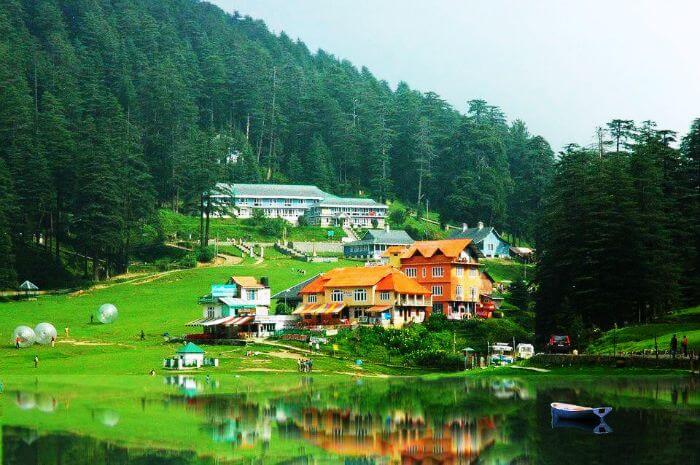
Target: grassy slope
(232,228)
(507,270)
(636,338)
(157,304)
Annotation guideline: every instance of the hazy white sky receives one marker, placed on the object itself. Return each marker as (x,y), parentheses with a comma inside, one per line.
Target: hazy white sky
(564,67)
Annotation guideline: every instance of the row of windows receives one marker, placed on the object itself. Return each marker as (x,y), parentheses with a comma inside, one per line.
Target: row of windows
(439,272)
(286,202)
(360,295)
(436,272)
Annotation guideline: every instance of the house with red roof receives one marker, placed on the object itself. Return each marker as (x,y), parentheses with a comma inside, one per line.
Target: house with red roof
(450,270)
(363,295)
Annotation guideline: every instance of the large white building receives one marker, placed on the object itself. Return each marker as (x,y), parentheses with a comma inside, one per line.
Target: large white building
(290,202)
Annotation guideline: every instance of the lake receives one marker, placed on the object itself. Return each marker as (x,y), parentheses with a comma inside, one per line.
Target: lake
(352,421)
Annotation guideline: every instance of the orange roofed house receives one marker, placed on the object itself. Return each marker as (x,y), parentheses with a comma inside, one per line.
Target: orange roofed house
(373,295)
(449,269)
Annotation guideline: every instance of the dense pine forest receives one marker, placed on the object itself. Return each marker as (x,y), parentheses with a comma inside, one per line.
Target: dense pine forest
(112,108)
(619,233)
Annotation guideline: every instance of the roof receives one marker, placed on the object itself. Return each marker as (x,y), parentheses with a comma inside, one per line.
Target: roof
(190,348)
(385,277)
(475,234)
(272,190)
(292,293)
(246,281)
(395,250)
(488,276)
(399,282)
(448,247)
(28,286)
(332,200)
(383,236)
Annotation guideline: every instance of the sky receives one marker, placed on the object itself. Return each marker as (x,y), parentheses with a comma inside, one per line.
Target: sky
(561,66)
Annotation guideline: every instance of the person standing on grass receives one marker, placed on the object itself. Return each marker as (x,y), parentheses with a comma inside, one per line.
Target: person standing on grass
(17,342)
(67,330)
(36,361)
(674,346)
(143,335)
(684,346)
(53,341)
(92,318)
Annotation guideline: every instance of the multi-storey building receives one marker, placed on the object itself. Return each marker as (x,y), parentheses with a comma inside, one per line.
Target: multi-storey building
(238,308)
(449,269)
(290,202)
(372,295)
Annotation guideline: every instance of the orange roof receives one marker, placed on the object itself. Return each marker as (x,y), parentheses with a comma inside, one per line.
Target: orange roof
(385,277)
(399,282)
(449,247)
(394,250)
(246,281)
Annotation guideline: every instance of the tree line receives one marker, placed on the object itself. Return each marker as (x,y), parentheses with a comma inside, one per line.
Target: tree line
(618,238)
(110,110)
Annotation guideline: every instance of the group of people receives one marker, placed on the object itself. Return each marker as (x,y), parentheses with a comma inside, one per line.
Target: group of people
(305,365)
(674,346)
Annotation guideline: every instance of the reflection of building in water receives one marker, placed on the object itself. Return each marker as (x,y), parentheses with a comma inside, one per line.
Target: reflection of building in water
(395,437)
(401,437)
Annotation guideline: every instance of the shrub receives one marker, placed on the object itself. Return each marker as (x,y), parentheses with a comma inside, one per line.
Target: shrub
(204,254)
(437,359)
(303,221)
(273,227)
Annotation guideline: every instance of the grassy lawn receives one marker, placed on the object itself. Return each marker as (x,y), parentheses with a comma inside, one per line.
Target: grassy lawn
(508,270)
(156,303)
(222,228)
(685,322)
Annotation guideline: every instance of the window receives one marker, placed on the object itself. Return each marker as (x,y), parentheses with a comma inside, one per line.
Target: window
(337,295)
(438,272)
(410,272)
(252,294)
(437,290)
(459,291)
(490,246)
(474,272)
(460,271)
(311,298)
(473,293)
(210,312)
(360,295)
(424,271)
(384,295)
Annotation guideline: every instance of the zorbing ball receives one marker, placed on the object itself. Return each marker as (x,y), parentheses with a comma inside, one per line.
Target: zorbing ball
(44,333)
(107,313)
(25,334)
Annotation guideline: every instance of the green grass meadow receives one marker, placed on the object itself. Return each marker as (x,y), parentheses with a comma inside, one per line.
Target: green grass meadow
(155,303)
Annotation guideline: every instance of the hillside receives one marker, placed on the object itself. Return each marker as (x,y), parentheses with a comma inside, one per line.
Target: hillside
(637,338)
(111,110)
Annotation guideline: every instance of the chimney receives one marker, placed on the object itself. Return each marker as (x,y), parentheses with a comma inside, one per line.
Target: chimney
(464,227)
(481,225)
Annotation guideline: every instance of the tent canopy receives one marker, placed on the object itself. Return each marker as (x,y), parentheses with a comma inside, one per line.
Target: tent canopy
(28,286)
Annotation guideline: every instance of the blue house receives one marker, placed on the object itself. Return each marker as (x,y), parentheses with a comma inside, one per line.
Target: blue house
(486,239)
(375,242)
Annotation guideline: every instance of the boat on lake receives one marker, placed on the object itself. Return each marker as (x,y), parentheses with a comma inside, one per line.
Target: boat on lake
(577,412)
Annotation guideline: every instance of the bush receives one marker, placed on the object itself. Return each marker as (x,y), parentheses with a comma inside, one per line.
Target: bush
(283,309)
(303,221)
(437,359)
(273,227)
(204,254)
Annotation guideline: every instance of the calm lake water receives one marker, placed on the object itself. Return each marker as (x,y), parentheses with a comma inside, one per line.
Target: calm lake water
(495,421)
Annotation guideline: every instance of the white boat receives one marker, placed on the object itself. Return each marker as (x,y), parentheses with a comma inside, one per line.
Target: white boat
(576,412)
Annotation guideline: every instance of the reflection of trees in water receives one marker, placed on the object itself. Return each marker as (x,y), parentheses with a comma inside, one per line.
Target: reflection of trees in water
(81,450)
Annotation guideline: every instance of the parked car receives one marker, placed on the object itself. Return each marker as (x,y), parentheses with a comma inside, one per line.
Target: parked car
(558,344)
